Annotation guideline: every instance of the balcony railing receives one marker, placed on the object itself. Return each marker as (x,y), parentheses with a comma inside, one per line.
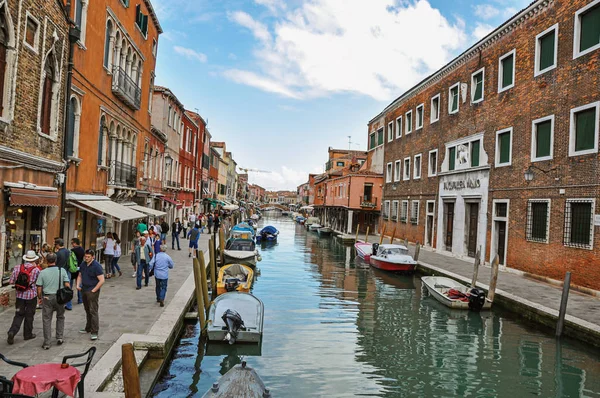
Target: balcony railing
(368,202)
(121,174)
(125,88)
(172,184)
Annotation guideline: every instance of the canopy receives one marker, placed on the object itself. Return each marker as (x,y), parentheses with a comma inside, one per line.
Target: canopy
(104,208)
(269,229)
(33,197)
(310,208)
(147,210)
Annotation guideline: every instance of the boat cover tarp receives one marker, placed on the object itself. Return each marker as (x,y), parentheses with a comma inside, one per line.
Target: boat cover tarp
(269,229)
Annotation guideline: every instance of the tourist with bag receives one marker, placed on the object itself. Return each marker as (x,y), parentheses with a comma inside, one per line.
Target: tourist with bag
(24,277)
(54,291)
(135,243)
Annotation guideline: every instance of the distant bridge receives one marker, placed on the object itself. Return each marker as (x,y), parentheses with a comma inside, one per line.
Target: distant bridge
(276,205)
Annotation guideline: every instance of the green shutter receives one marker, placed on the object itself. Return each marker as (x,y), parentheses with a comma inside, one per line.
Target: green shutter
(585,125)
(372,141)
(542,137)
(475,153)
(144,27)
(138,14)
(581,217)
(504,147)
(380,137)
(478,81)
(507,70)
(590,28)
(452,158)
(547,50)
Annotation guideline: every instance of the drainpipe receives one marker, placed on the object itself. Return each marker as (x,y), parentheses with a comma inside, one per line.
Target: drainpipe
(74,35)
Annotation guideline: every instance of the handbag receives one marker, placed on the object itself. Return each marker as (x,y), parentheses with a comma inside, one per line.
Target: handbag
(63,294)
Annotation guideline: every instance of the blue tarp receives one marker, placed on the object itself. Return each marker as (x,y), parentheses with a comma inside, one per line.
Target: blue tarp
(269,230)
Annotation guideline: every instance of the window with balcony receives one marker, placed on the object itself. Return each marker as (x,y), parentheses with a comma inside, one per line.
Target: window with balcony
(546,50)
(587,29)
(506,71)
(453,99)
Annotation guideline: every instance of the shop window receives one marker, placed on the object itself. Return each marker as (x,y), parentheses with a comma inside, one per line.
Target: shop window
(503,147)
(583,137)
(538,220)
(477,85)
(579,225)
(587,29)
(453,99)
(506,71)
(546,50)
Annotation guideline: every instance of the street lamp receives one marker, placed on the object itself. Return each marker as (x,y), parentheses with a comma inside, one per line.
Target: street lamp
(529,172)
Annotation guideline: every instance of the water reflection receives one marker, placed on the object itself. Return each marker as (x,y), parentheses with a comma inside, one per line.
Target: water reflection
(336,327)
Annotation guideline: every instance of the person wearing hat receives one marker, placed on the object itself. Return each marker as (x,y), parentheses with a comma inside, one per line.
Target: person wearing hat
(26,296)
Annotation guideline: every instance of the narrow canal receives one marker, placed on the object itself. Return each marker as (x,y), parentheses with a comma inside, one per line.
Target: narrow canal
(336,327)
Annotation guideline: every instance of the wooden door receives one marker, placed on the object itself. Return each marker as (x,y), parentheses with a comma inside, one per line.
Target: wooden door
(449,225)
(501,243)
(473,219)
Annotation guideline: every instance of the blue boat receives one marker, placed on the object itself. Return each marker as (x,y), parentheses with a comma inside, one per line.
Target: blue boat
(268,233)
(242,231)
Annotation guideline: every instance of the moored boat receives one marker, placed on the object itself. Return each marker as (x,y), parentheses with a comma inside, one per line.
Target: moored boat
(241,251)
(364,250)
(454,294)
(236,318)
(235,277)
(239,381)
(242,230)
(315,227)
(268,233)
(325,231)
(390,257)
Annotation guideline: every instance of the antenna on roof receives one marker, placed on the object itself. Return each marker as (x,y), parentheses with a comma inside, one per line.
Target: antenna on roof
(349,142)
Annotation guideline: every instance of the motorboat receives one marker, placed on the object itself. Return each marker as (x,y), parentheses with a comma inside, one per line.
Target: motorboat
(235,317)
(268,233)
(242,230)
(235,277)
(454,294)
(325,231)
(390,257)
(300,220)
(315,227)
(364,250)
(241,251)
(310,221)
(239,381)
(285,213)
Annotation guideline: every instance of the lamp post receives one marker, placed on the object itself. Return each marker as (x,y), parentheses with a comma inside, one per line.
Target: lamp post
(529,175)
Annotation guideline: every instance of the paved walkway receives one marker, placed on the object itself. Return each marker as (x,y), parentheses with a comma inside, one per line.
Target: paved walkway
(123,309)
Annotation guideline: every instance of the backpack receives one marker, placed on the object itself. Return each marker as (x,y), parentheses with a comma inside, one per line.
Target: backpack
(73,262)
(22,282)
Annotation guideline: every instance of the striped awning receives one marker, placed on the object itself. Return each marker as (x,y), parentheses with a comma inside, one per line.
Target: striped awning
(33,197)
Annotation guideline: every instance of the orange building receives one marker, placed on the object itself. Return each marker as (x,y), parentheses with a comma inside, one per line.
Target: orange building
(188,152)
(110,102)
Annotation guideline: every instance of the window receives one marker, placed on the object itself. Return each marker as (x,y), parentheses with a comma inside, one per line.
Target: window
(414,212)
(475,153)
(107,44)
(31,33)
(546,50)
(339,164)
(399,127)
(380,136)
(477,85)
(141,20)
(583,138)
(538,220)
(386,209)
(587,29)
(406,169)
(408,121)
(435,109)
(417,167)
(579,225)
(5,65)
(397,170)
(388,173)
(101,141)
(81,7)
(432,169)
(506,71)
(48,87)
(73,122)
(453,98)
(390,131)
(125,3)
(503,147)
(542,139)
(372,142)
(395,204)
(420,110)
(169,116)
(404,211)
(452,158)
(154,46)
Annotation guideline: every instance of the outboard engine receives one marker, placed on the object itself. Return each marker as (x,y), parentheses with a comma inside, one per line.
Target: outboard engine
(375,248)
(476,299)
(231,284)
(234,323)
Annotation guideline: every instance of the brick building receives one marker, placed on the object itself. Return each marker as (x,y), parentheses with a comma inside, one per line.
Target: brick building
(498,149)
(201,165)
(34,46)
(188,154)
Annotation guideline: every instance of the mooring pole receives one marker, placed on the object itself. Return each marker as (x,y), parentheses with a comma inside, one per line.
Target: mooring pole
(131,375)
(476,267)
(204,281)
(222,245)
(199,294)
(417,251)
(494,278)
(357,228)
(393,235)
(563,305)
(212,261)
(382,234)
(367,235)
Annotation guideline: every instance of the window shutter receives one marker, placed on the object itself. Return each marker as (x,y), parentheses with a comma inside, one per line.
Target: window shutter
(507,70)
(372,141)
(380,137)
(590,28)
(547,50)
(46,105)
(504,147)
(585,125)
(542,146)
(452,156)
(138,13)
(475,153)
(145,24)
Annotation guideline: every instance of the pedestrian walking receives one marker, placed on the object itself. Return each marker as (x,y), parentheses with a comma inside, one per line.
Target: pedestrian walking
(175,231)
(164,229)
(109,253)
(24,277)
(155,241)
(141,227)
(89,281)
(209,222)
(157,227)
(216,221)
(160,265)
(48,282)
(193,236)
(62,253)
(135,243)
(115,261)
(79,253)
(143,254)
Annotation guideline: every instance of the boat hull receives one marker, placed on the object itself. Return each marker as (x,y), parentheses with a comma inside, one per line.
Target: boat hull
(325,231)
(250,308)
(363,250)
(240,257)
(430,283)
(391,266)
(243,287)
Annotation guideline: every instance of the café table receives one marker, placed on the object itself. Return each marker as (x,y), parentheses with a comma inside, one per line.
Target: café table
(40,378)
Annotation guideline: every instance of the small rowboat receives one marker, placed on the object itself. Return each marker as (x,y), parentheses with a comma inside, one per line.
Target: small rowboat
(235,277)
(454,294)
(394,258)
(315,227)
(325,231)
(364,250)
(236,317)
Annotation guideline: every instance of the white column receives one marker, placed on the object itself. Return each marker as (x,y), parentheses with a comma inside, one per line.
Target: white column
(119,145)
(350,212)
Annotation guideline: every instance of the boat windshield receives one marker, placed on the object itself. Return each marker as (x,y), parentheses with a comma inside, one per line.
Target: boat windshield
(396,251)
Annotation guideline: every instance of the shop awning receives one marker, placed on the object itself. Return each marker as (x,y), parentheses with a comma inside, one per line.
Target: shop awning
(171,201)
(33,197)
(108,208)
(146,210)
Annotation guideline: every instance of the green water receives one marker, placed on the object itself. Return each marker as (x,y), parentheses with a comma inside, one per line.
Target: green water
(336,327)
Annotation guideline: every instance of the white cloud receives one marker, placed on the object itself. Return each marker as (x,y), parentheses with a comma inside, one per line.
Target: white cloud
(285,178)
(232,56)
(273,5)
(486,11)
(190,54)
(335,46)
(481,30)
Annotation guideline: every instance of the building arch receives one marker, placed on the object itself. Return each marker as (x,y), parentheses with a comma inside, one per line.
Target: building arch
(48,99)
(109,41)
(74,121)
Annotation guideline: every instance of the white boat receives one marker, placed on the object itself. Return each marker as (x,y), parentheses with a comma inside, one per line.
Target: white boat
(236,317)
(325,231)
(454,294)
(364,250)
(241,257)
(315,227)
(239,381)
(311,220)
(390,257)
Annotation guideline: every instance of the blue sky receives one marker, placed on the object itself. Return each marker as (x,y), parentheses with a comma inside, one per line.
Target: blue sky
(281,81)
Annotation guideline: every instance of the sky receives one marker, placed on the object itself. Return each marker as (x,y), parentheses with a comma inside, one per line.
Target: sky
(282,81)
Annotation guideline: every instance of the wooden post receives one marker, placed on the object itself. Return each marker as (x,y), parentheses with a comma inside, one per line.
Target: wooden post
(382,234)
(204,281)
(393,235)
(476,267)
(494,278)
(222,245)
(213,268)
(367,235)
(417,251)
(357,228)
(131,375)
(563,305)
(199,294)
(406,242)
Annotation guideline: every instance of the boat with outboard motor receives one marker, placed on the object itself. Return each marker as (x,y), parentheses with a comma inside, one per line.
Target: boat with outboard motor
(454,294)
(236,318)
(242,230)
(391,257)
(364,250)
(235,277)
(268,233)
(241,251)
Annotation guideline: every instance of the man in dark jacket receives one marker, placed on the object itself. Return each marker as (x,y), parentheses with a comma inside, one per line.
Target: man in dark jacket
(62,253)
(164,228)
(79,253)
(175,231)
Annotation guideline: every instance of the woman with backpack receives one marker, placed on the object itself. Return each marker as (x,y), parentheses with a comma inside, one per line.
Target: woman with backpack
(109,253)
(116,256)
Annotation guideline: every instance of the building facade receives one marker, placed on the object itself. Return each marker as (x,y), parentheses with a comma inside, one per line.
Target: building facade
(188,153)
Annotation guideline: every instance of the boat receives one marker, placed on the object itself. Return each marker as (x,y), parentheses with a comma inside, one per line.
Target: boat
(364,250)
(268,233)
(242,230)
(390,257)
(235,277)
(454,294)
(236,317)
(315,227)
(239,381)
(300,220)
(310,221)
(285,213)
(325,231)
(241,251)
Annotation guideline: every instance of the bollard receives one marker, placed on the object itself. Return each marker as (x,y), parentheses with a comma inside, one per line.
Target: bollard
(199,294)
(494,278)
(204,281)
(222,245)
(476,267)
(563,305)
(417,251)
(131,375)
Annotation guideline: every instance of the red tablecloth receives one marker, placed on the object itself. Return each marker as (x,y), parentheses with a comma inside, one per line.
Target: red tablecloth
(40,378)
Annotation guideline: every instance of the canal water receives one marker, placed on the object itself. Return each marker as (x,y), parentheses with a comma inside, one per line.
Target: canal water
(336,327)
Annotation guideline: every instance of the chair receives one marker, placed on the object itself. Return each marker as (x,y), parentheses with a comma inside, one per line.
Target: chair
(90,355)
(6,385)
(9,395)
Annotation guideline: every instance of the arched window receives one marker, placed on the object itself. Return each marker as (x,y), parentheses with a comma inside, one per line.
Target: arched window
(78,12)
(108,43)
(101,141)
(146,160)
(49,79)
(3,49)
(73,127)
